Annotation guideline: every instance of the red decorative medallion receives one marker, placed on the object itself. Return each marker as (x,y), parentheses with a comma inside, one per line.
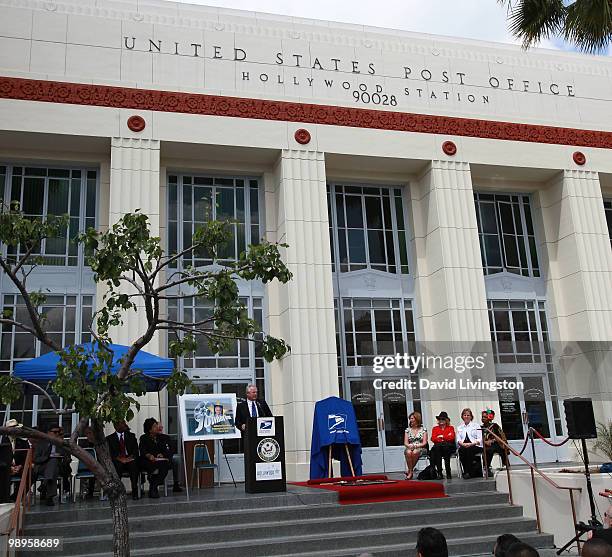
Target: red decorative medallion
(579,158)
(261,109)
(449,148)
(302,136)
(136,123)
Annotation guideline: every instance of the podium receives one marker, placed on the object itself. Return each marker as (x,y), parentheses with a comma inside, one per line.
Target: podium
(264,455)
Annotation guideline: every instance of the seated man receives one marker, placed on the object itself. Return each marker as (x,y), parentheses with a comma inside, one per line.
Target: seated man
(16,456)
(65,471)
(175,459)
(123,449)
(154,456)
(50,462)
(491,445)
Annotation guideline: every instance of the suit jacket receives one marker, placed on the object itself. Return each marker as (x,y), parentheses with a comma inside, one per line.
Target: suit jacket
(153,445)
(131,445)
(42,452)
(243,414)
(169,443)
(6,452)
(20,452)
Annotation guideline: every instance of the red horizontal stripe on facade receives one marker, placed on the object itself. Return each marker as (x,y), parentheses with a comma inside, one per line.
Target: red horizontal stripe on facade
(260,109)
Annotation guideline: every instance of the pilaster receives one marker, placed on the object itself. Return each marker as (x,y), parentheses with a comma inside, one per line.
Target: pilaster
(301,311)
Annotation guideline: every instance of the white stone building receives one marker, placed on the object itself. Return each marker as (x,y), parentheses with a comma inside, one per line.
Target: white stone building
(435,191)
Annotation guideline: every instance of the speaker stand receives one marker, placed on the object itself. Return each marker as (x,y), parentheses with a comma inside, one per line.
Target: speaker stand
(593,524)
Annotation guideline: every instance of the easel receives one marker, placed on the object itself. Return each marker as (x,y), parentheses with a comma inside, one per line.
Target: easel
(226,462)
(330,470)
(218,447)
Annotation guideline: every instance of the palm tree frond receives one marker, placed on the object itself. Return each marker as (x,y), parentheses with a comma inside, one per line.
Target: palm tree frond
(534,20)
(589,24)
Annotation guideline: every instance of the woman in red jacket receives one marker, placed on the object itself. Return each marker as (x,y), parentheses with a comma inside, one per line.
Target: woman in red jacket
(443,439)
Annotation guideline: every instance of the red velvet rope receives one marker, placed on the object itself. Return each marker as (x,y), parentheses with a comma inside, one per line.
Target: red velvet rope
(547,441)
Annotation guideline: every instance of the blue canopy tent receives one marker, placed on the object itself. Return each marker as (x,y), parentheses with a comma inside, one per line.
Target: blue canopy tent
(44,368)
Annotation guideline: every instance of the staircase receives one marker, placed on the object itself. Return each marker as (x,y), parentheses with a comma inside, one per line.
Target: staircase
(299,523)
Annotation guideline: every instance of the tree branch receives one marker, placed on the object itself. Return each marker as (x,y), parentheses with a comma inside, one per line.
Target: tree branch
(56,410)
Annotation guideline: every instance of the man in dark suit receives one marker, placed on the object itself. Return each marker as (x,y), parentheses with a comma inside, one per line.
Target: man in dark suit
(50,462)
(123,449)
(6,457)
(251,407)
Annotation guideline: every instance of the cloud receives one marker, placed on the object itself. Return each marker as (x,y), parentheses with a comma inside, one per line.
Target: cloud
(473,19)
(483,20)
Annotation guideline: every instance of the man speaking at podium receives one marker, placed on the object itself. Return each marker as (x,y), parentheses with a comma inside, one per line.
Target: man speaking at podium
(252,407)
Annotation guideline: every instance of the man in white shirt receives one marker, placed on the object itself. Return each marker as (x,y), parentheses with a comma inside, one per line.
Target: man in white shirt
(469,443)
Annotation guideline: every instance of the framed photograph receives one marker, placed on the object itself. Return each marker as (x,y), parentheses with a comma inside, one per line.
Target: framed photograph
(208,416)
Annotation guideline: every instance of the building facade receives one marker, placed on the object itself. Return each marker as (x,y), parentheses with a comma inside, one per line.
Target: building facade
(438,196)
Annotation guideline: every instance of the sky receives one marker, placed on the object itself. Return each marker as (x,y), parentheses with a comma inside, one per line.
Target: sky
(472,19)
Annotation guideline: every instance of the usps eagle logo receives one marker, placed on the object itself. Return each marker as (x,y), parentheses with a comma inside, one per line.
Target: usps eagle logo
(336,422)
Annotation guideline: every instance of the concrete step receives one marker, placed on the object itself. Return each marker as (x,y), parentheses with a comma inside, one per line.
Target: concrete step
(462,547)
(41,522)
(466,546)
(300,522)
(272,539)
(317,519)
(232,500)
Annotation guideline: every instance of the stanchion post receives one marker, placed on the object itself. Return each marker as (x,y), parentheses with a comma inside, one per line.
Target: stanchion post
(535,501)
(533,453)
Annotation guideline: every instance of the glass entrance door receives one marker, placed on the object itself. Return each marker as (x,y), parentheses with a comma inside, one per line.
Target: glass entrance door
(524,408)
(230,448)
(382,417)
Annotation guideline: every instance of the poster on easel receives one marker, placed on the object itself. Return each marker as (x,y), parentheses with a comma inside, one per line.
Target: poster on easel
(208,416)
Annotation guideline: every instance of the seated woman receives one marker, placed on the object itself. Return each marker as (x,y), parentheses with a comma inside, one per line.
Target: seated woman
(415,441)
(443,439)
(154,456)
(469,441)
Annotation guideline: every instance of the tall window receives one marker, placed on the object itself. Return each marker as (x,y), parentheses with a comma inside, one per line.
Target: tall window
(507,238)
(519,334)
(195,200)
(68,318)
(376,327)
(242,354)
(67,321)
(43,192)
(367,229)
(608,210)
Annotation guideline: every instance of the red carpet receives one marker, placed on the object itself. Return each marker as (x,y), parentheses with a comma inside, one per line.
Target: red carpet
(386,490)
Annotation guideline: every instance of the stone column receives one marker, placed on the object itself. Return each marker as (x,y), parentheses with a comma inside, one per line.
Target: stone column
(578,275)
(301,311)
(451,310)
(135,184)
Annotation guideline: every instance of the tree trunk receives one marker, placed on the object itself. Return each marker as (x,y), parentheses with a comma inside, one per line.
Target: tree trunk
(115,490)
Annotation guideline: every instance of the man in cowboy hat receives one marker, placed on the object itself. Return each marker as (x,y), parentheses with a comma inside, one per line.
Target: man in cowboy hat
(13,452)
(492,446)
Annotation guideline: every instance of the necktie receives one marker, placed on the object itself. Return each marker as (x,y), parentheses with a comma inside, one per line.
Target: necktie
(122,446)
(467,438)
(253,409)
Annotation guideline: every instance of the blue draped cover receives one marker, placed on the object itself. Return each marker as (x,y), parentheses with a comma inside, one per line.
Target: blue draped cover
(335,424)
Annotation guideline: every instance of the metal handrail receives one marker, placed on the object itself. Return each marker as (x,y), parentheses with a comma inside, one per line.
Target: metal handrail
(22,501)
(533,471)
